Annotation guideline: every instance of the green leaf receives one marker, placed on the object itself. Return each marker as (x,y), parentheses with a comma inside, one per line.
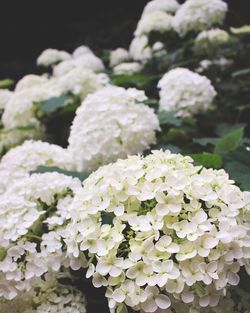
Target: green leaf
(168,118)
(44,169)
(230,141)
(243,72)
(224,128)
(208,160)
(53,104)
(139,80)
(5,83)
(206,141)
(237,164)
(243,30)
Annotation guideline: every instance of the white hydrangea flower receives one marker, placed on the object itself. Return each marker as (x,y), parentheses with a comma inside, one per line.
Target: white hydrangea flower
(52,56)
(197,15)
(158,21)
(29,81)
(156,228)
(139,49)
(29,242)
(19,110)
(47,296)
(81,50)
(5,96)
(185,92)
(110,124)
(169,6)
(210,40)
(82,83)
(19,161)
(117,56)
(127,68)
(221,63)
(84,61)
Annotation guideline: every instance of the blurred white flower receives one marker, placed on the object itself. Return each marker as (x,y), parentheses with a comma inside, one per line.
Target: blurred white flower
(127,68)
(198,15)
(52,56)
(169,6)
(117,56)
(185,92)
(110,124)
(139,49)
(157,21)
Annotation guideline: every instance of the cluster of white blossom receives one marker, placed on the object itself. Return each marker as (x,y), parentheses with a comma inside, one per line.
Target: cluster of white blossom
(47,296)
(139,49)
(222,63)
(5,96)
(168,6)
(52,56)
(110,124)
(158,21)
(185,92)
(118,56)
(17,163)
(32,212)
(82,58)
(211,40)
(158,227)
(197,15)
(127,68)
(19,107)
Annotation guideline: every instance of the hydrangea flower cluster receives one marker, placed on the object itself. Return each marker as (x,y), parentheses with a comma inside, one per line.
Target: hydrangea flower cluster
(158,21)
(158,227)
(127,68)
(5,96)
(52,56)
(47,296)
(125,126)
(211,40)
(198,15)
(118,56)
(139,49)
(168,6)
(17,163)
(185,92)
(32,212)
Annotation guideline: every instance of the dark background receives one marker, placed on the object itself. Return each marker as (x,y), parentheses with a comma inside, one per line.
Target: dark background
(29,26)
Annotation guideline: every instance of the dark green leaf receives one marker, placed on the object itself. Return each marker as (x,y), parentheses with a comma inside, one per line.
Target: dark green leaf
(243,72)
(168,118)
(5,83)
(206,141)
(230,141)
(208,160)
(44,169)
(52,104)
(224,128)
(239,172)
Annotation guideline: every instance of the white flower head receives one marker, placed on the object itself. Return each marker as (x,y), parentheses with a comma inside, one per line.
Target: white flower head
(156,228)
(117,56)
(29,81)
(210,40)
(84,61)
(5,96)
(198,15)
(21,160)
(48,295)
(29,242)
(185,92)
(139,49)
(157,21)
(127,68)
(168,6)
(52,56)
(110,124)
